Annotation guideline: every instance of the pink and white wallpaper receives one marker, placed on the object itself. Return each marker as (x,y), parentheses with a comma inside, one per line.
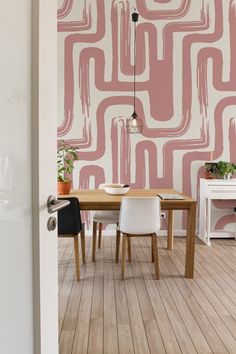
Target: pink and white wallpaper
(186,84)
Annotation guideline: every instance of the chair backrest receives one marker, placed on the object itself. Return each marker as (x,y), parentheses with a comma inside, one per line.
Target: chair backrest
(139,216)
(69,218)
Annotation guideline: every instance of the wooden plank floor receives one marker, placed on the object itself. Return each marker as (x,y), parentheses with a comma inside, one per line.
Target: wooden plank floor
(103,314)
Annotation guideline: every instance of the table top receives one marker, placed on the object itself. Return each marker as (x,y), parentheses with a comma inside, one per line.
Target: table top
(98,199)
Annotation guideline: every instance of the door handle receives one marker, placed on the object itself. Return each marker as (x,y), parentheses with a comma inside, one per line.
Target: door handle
(54,204)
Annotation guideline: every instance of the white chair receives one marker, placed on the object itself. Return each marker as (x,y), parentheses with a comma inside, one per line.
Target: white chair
(139,217)
(104,217)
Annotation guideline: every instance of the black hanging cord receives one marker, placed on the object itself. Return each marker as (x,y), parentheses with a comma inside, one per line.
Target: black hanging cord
(135,16)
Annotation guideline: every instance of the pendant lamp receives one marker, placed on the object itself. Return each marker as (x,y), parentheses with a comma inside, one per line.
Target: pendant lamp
(134,123)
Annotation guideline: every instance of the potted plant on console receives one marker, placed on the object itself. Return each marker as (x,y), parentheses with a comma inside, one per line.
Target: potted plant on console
(66,155)
(226,169)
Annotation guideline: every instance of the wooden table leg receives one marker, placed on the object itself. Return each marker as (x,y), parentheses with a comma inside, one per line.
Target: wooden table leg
(190,241)
(117,244)
(155,255)
(82,238)
(170,230)
(94,240)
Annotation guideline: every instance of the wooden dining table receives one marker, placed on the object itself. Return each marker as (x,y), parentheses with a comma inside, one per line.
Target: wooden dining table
(98,199)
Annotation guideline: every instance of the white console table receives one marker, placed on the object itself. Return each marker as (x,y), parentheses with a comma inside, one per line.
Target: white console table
(213,189)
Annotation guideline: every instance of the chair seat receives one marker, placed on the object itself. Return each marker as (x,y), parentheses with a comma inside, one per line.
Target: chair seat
(106,216)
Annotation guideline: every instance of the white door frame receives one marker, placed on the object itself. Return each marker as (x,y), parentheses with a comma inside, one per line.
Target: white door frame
(44,123)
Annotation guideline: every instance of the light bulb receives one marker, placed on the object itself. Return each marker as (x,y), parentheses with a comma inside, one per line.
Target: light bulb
(134,122)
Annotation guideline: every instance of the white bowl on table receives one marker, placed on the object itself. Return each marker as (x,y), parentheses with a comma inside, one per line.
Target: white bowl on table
(115,188)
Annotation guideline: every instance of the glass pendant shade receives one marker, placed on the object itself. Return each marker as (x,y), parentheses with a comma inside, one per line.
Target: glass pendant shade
(134,124)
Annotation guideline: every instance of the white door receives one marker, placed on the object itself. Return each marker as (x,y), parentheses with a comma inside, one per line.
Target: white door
(28,115)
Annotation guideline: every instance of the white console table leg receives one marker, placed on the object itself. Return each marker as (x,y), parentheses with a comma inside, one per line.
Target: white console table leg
(208,222)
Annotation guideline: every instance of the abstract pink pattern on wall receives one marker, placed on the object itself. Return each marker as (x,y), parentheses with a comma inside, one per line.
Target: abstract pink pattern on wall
(186,83)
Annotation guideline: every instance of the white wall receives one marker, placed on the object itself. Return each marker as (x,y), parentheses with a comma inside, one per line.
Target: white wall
(16,304)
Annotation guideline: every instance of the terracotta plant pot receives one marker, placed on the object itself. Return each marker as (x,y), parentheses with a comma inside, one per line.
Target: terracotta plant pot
(63,187)
(208,175)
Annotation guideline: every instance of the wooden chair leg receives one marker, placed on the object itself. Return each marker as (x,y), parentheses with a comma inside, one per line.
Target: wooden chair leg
(155,255)
(152,249)
(124,241)
(76,248)
(82,238)
(129,249)
(99,235)
(94,241)
(117,245)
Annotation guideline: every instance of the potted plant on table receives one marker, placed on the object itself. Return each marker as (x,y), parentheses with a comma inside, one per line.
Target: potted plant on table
(66,155)
(226,169)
